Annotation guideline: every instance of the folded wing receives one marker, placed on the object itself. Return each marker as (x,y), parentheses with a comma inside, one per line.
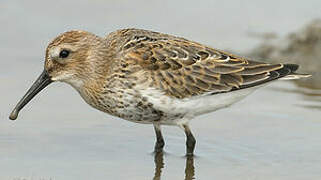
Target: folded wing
(182,68)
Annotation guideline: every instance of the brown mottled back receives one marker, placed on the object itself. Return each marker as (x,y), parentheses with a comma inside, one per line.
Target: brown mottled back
(183,68)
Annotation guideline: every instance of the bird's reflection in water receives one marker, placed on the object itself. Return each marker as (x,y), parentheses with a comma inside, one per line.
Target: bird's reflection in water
(189,168)
(159,165)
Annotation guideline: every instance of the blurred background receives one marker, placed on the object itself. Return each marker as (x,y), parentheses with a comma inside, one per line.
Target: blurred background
(273,134)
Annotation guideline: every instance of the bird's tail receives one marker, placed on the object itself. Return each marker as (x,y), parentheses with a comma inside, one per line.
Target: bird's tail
(288,72)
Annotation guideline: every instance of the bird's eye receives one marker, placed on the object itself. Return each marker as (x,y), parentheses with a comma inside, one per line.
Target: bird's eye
(64,53)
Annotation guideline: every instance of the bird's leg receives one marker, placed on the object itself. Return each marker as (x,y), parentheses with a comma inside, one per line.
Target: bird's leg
(159,139)
(190,140)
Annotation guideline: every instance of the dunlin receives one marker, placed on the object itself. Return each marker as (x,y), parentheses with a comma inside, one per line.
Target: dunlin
(150,77)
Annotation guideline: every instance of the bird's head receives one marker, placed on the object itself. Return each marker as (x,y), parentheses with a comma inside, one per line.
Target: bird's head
(71,57)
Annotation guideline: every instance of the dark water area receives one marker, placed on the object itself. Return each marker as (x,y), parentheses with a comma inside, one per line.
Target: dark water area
(272,134)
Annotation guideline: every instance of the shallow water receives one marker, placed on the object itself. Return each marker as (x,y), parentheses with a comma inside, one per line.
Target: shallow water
(272,134)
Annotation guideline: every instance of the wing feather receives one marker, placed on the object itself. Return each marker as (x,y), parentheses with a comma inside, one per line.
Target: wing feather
(183,68)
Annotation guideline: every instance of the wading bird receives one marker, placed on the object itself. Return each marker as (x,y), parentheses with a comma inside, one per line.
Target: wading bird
(150,77)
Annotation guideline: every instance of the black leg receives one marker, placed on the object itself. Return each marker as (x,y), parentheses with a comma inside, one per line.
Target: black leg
(159,139)
(190,141)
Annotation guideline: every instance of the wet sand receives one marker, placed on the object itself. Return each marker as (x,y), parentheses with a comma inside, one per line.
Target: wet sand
(272,134)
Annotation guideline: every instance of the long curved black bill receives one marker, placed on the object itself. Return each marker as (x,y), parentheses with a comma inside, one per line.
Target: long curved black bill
(42,81)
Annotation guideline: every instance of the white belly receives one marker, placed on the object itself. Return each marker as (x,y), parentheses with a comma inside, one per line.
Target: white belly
(193,106)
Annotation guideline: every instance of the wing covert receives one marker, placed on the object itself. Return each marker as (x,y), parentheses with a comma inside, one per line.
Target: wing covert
(182,68)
